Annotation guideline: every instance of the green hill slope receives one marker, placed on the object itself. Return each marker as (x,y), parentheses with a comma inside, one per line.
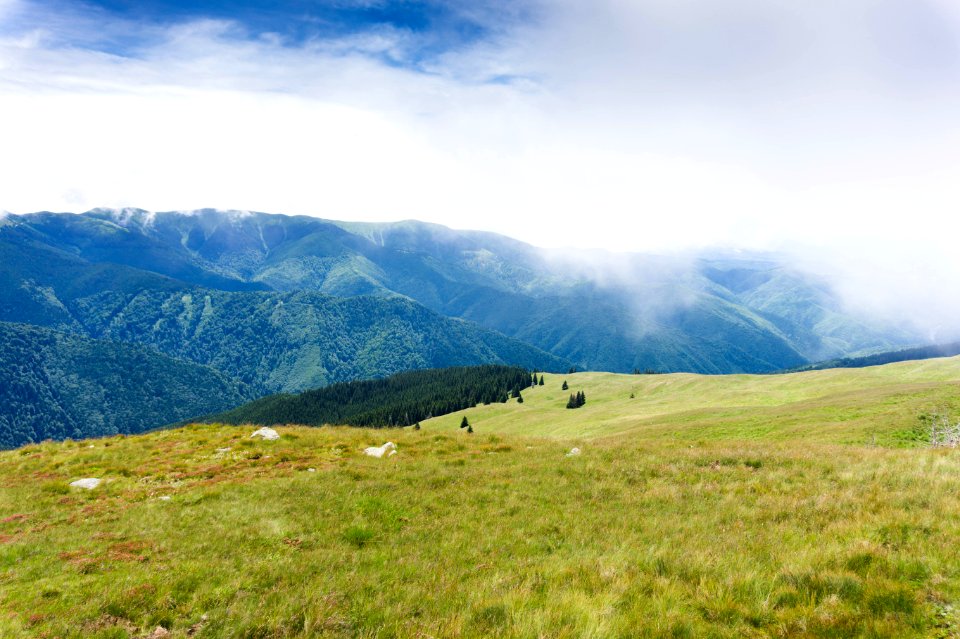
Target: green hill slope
(718,507)
(55,385)
(879,359)
(842,405)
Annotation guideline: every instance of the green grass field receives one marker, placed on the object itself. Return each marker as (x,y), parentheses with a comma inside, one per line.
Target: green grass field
(788,506)
(866,405)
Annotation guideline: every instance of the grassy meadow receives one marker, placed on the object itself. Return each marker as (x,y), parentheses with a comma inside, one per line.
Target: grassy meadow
(783,506)
(878,404)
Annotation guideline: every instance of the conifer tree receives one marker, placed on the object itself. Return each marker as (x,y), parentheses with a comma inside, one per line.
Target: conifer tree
(541,380)
(535,379)
(464,423)
(470,429)
(564,387)
(581,399)
(572,403)
(519,398)
(416,426)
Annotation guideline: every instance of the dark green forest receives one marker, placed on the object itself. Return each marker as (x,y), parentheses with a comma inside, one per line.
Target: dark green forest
(398,400)
(55,385)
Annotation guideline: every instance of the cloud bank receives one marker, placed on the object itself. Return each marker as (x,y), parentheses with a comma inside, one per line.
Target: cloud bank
(823,129)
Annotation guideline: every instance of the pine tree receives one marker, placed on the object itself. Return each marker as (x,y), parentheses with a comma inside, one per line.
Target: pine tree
(416,426)
(519,398)
(572,403)
(464,423)
(541,380)
(470,429)
(564,387)
(581,399)
(534,379)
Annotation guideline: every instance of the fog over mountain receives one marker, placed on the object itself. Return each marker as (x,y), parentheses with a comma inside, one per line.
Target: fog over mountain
(703,312)
(826,134)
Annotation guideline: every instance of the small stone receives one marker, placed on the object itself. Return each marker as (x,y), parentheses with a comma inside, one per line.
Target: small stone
(573,452)
(159,633)
(267,434)
(311,470)
(164,498)
(380,451)
(224,450)
(88,482)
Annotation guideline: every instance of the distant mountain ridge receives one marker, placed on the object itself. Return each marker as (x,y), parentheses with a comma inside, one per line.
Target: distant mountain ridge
(715,314)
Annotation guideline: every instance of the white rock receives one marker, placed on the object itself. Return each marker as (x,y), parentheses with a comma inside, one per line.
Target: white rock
(89,483)
(311,470)
(164,498)
(380,451)
(267,434)
(224,450)
(91,446)
(573,452)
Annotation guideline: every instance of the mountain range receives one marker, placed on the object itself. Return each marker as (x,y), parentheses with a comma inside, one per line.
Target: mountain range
(276,303)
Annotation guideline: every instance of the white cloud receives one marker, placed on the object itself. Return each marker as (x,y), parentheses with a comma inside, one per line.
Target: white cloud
(652,125)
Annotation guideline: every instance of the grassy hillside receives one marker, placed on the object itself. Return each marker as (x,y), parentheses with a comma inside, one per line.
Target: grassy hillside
(878,359)
(839,405)
(721,507)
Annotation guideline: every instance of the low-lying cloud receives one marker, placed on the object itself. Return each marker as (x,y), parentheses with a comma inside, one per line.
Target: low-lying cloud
(658,125)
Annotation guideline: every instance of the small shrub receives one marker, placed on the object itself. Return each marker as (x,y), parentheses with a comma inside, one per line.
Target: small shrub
(359,536)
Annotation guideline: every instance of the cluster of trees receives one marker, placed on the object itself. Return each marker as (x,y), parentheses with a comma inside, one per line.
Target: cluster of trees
(646,371)
(399,400)
(577,400)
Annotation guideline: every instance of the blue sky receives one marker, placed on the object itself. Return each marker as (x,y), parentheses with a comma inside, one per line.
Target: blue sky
(430,28)
(826,128)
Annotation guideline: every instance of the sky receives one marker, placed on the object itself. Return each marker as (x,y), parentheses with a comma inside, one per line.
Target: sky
(827,129)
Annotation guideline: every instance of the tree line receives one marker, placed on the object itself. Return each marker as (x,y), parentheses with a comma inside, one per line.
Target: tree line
(398,400)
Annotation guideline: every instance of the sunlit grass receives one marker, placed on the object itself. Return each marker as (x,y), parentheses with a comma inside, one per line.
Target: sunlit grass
(864,406)
(769,520)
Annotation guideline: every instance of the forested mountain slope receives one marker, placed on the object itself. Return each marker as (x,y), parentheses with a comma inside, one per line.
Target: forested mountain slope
(55,385)
(717,314)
